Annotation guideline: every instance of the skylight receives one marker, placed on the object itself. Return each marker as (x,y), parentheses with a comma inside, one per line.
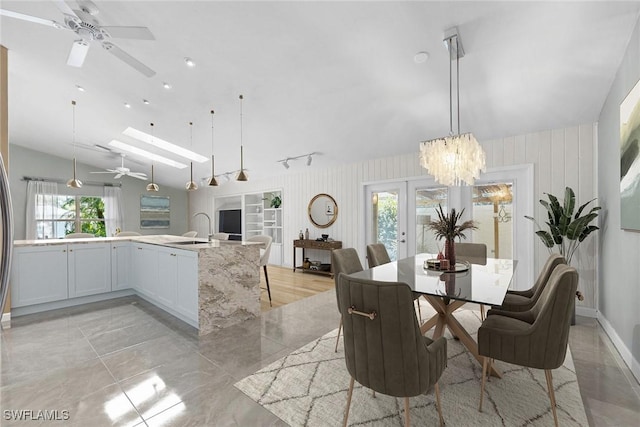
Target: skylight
(167,146)
(143,153)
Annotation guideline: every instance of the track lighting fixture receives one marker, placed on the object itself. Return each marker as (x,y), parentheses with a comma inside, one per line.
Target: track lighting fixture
(309,156)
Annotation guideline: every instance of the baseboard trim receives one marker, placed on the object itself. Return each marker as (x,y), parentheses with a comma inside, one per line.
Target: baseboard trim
(31,309)
(626,354)
(587,312)
(6,317)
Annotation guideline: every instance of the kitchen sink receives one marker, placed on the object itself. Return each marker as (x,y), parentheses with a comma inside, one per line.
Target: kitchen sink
(188,242)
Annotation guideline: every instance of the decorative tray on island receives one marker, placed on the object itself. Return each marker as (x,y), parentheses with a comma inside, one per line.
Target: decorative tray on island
(434,265)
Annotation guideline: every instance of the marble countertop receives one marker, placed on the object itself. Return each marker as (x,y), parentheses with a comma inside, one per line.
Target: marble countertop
(162,240)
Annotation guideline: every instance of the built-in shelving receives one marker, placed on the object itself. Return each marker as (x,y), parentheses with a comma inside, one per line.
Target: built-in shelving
(260,218)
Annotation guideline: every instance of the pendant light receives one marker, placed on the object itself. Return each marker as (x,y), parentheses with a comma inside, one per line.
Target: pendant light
(212,181)
(152,186)
(191,185)
(74,182)
(457,158)
(242,176)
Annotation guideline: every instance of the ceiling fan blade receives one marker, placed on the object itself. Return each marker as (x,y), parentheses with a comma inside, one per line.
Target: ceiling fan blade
(141,176)
(124,56)
(118,176)
(137,33)
(64,8)
(101,172)
(78,53)
(30,18)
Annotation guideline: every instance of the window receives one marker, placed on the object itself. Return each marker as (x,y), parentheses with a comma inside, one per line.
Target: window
(59,215)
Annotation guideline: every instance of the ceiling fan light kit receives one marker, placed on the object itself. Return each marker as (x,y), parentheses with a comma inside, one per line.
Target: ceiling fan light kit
(89,30)
(458,158)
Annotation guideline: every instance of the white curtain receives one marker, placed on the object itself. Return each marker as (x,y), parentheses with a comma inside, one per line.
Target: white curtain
(113,217)
(40,205)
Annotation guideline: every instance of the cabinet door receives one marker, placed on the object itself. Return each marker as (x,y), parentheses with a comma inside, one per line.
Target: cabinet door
(89,269)
(166,286)
(145,268)
(187,286)
(120,265)
(38,275)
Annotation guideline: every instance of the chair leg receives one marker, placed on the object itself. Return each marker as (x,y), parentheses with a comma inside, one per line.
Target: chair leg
(407,417)
(438,404)
(338,338)
(419,310)
(484,376)
(266,277)
(552,395)
(373,393)
(482,312)
(346,411)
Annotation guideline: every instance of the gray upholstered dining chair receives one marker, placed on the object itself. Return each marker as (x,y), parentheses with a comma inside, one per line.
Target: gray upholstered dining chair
(264,256)
(377,255)
(79,235)
(474,253)
(220,236)
(536,338)
(344,261)
(524,300)
(383,346)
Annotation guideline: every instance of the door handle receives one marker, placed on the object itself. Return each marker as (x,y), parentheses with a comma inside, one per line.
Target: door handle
(402,241)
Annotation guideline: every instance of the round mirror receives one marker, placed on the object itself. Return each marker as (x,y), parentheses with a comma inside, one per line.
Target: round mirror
(323,210)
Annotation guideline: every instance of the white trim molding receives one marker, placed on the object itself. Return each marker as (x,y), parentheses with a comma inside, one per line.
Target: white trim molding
(626,354)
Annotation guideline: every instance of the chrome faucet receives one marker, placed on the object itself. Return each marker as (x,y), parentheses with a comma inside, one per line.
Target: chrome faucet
(209,218)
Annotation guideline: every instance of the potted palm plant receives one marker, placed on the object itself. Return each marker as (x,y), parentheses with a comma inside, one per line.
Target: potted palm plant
(447,227)
(566,230)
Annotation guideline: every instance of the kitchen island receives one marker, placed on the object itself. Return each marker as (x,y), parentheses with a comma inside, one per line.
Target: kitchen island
(209,285)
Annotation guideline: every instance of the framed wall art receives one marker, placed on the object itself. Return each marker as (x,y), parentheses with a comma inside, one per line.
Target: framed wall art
(154,211)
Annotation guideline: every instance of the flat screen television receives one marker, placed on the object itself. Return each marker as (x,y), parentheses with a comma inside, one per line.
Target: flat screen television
(230,221)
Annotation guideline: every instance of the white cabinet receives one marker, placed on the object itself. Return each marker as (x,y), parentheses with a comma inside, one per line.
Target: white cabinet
(145,268)
(187,285)
(38,275)
(89,269)
(120,265)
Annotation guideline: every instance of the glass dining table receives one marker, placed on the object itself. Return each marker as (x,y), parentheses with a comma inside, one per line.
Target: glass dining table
(448,291)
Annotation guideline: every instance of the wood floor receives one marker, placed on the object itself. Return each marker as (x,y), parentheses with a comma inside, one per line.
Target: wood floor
(287,286)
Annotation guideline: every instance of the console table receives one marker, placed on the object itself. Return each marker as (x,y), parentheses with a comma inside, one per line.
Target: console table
(314,244)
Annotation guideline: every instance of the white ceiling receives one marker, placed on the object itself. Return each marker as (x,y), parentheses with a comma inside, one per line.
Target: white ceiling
(334,77)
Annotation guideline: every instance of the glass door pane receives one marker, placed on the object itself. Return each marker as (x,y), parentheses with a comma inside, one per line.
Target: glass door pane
(492,206)
(386,217)
(427,201)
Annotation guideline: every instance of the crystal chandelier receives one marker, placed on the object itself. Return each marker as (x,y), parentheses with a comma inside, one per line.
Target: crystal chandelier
(454,159)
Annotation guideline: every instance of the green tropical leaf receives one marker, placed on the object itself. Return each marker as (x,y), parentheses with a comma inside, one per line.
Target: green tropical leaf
(582,207)
(577,227)
(545,237)
(588,230)
(555,208)
(555,232)
(569,202)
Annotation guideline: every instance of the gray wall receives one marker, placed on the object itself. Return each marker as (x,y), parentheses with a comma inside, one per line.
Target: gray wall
(26,162)
(619,290)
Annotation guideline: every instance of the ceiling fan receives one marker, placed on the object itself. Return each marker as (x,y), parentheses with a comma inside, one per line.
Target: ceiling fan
(121,171)
(88,28)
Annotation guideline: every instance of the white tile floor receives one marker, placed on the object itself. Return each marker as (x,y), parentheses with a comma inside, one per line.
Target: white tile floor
(125,362)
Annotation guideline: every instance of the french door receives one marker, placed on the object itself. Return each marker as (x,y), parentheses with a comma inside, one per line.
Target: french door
(398,215)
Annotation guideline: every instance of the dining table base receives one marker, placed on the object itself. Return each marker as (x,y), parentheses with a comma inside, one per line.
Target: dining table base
(444,317)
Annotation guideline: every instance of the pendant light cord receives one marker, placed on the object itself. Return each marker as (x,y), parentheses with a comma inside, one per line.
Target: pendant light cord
(450,91)
(458,81)
(73,127)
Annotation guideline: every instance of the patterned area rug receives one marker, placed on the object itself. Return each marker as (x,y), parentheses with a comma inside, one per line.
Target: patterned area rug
(309,388)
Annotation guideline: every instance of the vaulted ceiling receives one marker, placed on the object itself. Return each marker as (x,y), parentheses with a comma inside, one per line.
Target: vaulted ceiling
(337,78)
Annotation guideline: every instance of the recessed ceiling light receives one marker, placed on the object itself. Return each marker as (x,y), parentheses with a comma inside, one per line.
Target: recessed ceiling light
(189,62)
(127,105)
(143,153)
(80,88)
(165,145)
(166,85)
(421,57)
(145,102)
